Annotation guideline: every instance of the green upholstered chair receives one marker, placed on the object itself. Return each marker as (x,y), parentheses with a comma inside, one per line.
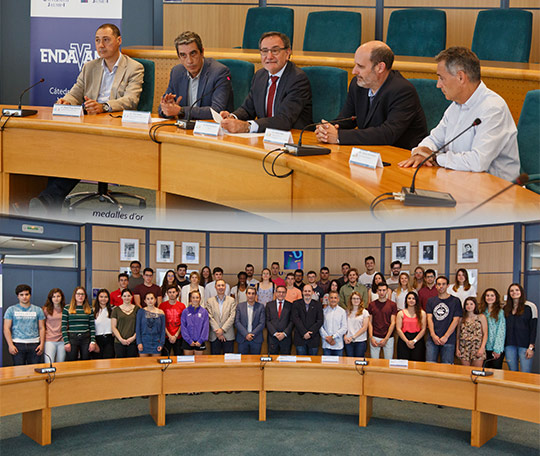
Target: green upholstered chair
(146,100)
(529,137)
(103,193)
(333,31)
(267,19)
(241,76)
(433,101)
(328,89)
(503,35)
(417,31)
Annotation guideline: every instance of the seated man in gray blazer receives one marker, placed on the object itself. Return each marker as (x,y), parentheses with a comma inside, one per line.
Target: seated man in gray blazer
(249,322)
(280,94)
(197,84)
(112,82)
(279,323)
(221,314)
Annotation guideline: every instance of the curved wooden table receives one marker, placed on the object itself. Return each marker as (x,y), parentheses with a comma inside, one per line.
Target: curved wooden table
(512,394)
(509,79)
(228,171)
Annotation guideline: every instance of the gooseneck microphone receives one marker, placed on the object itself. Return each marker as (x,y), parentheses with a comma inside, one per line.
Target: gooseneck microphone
(22,112)
(46,370)
(426,198)
(303,151)
(483,372)
(188,124)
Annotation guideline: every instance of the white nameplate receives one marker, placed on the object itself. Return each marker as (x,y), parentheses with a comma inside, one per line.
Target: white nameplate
(277,136)
(286,359)
(303,358)
(233,357)
(399,363)
(185,359)
(206,128)
(67,110)
(137,116)
(365,158)
(329,359)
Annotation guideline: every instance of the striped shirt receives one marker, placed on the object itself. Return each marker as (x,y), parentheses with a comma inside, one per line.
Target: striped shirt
(79,322)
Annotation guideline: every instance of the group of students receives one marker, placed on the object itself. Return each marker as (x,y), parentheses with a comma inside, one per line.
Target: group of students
(428,316)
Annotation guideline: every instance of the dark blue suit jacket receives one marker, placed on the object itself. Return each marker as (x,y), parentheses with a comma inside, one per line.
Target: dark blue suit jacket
(395,117)
(241,322)
(292,104)
(213,74)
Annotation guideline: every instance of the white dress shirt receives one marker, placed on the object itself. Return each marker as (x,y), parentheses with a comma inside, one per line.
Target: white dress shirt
(107,80)
(335,325)
(490,146)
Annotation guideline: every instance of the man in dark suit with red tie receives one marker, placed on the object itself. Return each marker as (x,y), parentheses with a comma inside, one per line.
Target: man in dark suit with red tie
(279,323)
(307,317)
(280,94)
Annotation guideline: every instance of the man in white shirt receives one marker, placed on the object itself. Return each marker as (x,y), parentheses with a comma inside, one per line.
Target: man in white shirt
(334,326)
(491,146)
(366,278)
(210,289)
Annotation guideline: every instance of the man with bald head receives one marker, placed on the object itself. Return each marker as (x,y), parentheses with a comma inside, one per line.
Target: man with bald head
(386,105)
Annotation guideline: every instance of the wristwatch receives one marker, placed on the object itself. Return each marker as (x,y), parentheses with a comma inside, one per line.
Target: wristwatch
(105,107)
(531,347)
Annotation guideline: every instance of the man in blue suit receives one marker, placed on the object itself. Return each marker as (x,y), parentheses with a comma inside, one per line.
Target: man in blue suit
(249,322)
(196,80)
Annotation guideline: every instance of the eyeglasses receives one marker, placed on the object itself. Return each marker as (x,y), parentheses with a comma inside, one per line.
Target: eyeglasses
(274,51)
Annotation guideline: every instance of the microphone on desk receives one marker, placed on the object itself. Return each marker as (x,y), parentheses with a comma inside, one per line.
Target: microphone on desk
(188,124)
(521,180)
(166,360)
(46,370)
(483,372)
(304,151)
(22,112)
(428,198)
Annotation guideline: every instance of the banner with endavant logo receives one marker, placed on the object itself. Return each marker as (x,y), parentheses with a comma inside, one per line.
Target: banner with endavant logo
(62,41)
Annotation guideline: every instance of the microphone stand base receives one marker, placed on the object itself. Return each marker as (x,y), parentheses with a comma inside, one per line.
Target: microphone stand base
(427,198)
(19,112)
(185,124)
(305,151)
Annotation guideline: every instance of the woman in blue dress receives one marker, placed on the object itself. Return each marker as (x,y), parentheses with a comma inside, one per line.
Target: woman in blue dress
(150,328)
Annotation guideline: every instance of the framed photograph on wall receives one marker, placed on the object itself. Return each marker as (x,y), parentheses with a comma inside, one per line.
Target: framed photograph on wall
(401,251)
(190,252)
(129,249)
(428,252)
(467,251)
(164,251)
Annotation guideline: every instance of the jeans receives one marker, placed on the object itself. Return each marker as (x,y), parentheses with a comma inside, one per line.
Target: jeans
(332,352)
(26,354)
(219,348)
(105,343)
(305,350)
(356,349)
(388,349)
(446,351)
(56,351)
(514,354)
(248,347)
(79,343)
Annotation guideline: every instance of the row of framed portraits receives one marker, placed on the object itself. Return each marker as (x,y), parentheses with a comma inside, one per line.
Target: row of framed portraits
(428,251)
(129,251)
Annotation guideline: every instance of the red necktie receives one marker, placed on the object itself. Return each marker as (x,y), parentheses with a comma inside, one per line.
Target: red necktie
(271,96)
(279,309)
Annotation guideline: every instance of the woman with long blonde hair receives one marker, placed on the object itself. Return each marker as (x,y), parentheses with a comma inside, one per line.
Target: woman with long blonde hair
(78,328)
(357,326)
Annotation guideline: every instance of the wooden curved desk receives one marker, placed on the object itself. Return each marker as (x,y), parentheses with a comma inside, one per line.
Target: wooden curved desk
(509,79)
(228,170)
(512,394)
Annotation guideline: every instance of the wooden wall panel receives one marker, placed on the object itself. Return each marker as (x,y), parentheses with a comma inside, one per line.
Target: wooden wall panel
(353,240)
(234,260)
(236,240)
(294,241)
(353,255)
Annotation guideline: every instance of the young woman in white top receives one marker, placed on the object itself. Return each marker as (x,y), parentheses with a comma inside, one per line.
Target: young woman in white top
(377,279)
(404,286)
(102,316)
(462,289)
(357,326)
(238,292)
(194,285)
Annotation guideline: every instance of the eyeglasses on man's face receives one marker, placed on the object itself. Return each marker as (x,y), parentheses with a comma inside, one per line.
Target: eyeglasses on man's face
(274,51)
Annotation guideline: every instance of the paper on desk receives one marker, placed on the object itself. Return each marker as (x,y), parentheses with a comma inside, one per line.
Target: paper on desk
(217,118)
